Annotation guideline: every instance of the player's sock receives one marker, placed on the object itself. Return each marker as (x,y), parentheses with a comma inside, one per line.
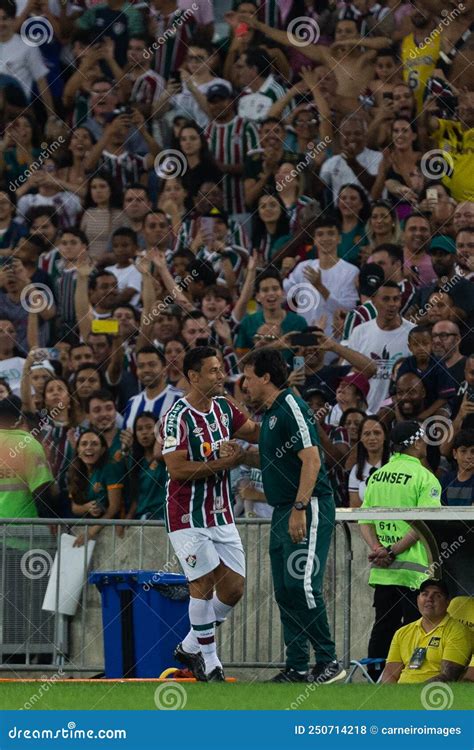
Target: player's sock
(201,614)
(190,643)
(221,610)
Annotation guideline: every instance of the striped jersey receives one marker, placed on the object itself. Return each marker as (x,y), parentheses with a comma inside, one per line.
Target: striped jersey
(360,314)
(124,169)
(205,502)
(158,405)
(190,225)
(229,143)
(255,105)
(173,38)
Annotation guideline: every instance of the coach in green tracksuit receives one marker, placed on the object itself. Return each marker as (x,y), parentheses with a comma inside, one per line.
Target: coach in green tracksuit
(295,483)
(399,559)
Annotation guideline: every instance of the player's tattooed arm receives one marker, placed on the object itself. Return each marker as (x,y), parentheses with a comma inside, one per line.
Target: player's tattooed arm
(450,672)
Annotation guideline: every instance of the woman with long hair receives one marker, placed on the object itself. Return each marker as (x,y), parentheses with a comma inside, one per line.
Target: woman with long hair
(147,475)
(290,189)
(72,176)
(345,438)
(92,489)
(200,165)
(60,410)
(271,225)
(20,149)
(353,212)
(373,450)
(382,227)
(396,167)
(103,214)
(85,380)
(173,200)
(174,351)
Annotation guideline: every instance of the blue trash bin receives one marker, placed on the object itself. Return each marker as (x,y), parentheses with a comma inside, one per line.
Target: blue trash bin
(144,616)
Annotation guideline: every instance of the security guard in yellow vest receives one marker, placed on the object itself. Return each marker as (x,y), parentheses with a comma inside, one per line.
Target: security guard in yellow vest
(435,648)
(399,560)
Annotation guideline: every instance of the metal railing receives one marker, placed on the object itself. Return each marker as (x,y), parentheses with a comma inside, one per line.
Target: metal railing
(33,640)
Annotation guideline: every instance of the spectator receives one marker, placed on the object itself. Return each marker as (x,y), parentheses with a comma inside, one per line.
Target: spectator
(260,88)
(383,226)
(417,261)
(115,19)
(10,230)
(194,146)
(148,475)
(390,258)
(428,369)
(373,451)
(94,493)
(271,226)
(156,397)
(458,485)
(102,215)
(269,294)
(446,337)
(11,359)
(357,164)
(353,211)
(394,588)
(124,249)
(328,283)
(31,495)
(85,380)
(435,648)
(351,393)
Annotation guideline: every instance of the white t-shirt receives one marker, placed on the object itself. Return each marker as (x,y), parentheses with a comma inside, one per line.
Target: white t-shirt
(359,485)
(335,171)
(340,281)
(384,348)
(11,369)
(128,277)
(67,204)
(22,62)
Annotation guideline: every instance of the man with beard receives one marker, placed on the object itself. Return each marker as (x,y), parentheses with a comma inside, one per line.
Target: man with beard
(420,51)
(156,397)
(102,416)
(296,484)
(197,433)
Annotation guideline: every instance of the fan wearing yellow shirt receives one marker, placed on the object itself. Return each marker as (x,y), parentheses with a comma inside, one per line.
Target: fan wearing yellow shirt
(462,609)
(435,648)
(420,51)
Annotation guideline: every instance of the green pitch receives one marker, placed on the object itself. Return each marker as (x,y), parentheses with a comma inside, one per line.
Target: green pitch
(191,696)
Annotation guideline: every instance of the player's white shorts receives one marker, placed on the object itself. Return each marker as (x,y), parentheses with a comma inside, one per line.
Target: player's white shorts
(201,550)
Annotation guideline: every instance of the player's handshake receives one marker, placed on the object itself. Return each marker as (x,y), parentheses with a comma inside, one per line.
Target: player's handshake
(231,450)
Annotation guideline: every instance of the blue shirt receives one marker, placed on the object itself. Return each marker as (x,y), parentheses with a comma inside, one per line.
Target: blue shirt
(455,492)
(158,405)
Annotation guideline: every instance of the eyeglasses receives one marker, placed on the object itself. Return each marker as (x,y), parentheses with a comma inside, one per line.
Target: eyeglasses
(442,335)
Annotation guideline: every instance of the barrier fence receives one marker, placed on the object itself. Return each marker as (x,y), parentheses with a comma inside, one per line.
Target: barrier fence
(32,639)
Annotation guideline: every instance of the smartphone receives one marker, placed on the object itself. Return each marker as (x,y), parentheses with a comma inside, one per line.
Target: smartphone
(46,353)
(304,339)
(470,394)
(298,363)
(206,224)
(432,195)
(110,326)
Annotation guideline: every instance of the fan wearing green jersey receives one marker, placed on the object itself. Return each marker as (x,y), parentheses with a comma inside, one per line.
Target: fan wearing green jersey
(296,484)
(398,558)
(199,450)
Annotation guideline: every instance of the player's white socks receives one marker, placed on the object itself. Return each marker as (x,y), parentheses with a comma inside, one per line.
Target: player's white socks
(202,617)
(221,610)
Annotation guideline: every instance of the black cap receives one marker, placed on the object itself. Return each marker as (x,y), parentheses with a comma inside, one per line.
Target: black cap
(10,409)
(218,91)
(371,277)
(432,582)
(405,434)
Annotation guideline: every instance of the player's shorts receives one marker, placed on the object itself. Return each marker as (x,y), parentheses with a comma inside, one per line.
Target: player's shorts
(202,550)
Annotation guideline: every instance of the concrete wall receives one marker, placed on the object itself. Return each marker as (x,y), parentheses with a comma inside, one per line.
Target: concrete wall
(254,632)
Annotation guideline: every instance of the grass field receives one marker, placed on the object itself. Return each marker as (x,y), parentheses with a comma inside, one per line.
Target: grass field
(143,696)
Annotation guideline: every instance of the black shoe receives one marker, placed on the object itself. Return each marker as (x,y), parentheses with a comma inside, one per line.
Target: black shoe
(217,675)
(291,675)
(325,674)
(193,662)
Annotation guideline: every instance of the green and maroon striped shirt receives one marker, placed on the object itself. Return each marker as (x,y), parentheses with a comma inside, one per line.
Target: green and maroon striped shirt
(207,502)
